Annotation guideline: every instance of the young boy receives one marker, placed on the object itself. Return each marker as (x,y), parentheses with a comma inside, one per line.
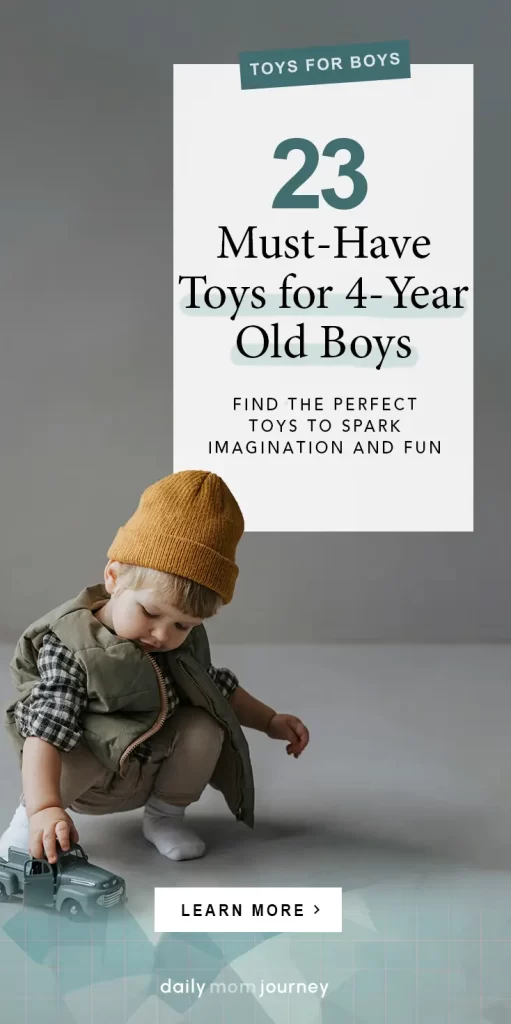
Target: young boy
(119,706)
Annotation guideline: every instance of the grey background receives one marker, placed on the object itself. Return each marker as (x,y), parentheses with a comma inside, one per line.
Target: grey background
(86,305)
(406,782)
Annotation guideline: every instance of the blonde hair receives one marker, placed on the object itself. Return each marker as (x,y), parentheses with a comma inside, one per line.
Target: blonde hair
(189,597)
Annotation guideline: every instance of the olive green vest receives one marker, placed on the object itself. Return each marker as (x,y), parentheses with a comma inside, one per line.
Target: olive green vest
(127,696)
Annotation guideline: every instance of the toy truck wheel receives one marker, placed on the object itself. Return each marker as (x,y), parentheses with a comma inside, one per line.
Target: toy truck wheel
(3,893)
(72,909)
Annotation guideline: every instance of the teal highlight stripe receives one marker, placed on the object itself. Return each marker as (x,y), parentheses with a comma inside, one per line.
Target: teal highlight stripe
(325,65)
(315,357)
(337,305)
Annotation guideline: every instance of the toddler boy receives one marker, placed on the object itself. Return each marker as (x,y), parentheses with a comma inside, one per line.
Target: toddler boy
(119,705)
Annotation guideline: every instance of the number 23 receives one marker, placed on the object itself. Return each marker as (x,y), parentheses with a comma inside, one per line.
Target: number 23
(286,198)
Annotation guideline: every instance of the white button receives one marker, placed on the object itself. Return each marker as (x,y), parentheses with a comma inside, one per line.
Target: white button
(247,910)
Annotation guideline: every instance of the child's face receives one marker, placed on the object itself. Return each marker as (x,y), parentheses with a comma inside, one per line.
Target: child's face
(147,617)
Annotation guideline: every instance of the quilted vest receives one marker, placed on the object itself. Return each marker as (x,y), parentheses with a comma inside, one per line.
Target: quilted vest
(127,697)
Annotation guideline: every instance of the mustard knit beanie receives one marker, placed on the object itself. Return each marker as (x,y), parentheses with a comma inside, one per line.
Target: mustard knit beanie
(188,524)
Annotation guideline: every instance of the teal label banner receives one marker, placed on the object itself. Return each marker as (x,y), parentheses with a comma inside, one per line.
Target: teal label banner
(325,65)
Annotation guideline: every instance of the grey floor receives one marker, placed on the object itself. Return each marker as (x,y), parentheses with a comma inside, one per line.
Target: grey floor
(407,779)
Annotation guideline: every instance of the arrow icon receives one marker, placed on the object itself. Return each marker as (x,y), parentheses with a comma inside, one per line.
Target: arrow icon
(316,909)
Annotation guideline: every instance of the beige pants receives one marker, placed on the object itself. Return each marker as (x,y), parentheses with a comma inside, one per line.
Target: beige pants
(184,754)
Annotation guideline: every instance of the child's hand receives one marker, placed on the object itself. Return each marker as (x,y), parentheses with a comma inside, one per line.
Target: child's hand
(46,828)
(288,727)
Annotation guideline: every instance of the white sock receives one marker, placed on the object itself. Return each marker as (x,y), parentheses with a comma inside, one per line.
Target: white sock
(163,825)
(16,833)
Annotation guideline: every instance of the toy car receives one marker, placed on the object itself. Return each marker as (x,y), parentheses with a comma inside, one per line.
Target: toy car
(73,885)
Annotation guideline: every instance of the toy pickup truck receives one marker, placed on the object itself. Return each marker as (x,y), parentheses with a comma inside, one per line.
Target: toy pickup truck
(73,885)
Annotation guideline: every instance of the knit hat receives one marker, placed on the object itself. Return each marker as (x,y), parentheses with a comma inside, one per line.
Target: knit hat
(188,524)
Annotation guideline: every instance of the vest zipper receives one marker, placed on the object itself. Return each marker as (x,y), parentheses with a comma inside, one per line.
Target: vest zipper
(159,721)
(224,725)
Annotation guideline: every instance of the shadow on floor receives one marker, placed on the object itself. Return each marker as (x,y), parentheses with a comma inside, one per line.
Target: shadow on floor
(291,852)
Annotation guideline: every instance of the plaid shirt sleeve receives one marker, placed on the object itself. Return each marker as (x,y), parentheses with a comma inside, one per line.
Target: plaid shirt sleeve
(57,700)
(224,679)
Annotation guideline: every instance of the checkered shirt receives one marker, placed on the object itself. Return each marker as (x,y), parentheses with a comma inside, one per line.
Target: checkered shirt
(59,698)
